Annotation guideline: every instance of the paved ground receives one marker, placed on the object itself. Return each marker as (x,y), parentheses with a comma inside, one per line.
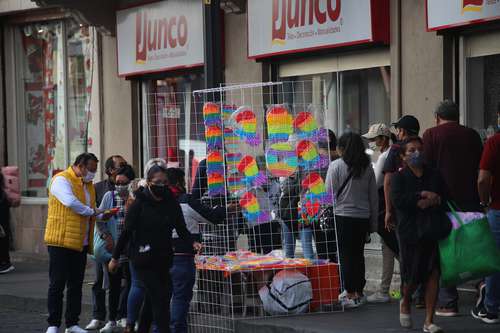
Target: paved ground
(23,309)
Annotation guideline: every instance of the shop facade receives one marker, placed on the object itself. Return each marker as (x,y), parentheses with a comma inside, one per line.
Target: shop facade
(472,31)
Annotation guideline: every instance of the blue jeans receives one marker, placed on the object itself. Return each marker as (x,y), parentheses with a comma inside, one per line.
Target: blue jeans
(289,237)
(135,297)
(492,300)
(183,275)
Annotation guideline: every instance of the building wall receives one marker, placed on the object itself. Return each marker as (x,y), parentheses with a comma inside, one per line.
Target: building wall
(239,69)
(116,126)
(8,6)
(421,64)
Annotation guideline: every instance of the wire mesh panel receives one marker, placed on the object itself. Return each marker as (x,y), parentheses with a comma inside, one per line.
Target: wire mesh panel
(258,153)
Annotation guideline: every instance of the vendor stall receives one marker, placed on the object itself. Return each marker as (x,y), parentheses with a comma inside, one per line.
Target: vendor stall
(265,158)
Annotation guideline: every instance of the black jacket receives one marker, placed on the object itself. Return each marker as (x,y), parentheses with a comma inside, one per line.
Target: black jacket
(405,193)
(151,222)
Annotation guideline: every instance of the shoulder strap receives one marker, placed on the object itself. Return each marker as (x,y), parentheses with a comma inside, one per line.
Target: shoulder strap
(344,184)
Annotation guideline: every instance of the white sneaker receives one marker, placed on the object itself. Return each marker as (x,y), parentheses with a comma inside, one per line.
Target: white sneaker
(351,303)
(343,296)
(75,329)
(110,327)
(379,297)
(95,324)
(52,329)
(122,323)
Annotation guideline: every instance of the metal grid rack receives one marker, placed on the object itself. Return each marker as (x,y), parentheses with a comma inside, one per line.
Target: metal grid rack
(177,131)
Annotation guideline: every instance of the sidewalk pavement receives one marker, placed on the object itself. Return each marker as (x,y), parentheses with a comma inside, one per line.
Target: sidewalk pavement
(23,296)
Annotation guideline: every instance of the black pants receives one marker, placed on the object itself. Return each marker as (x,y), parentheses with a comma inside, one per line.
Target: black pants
(66,270)
(5,241)
(158,292)
(117,294)
(352,236)
(326,241)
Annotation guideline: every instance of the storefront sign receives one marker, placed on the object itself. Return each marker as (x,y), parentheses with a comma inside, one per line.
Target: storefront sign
(160,36)
(443,14)
(288,26)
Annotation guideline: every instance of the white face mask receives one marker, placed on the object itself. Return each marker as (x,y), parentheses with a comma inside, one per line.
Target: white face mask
(89,177)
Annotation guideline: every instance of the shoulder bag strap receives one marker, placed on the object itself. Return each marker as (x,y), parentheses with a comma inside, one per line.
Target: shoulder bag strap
(344,184)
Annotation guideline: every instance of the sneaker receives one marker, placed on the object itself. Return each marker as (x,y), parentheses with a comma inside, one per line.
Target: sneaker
(343,295)
(351,303)
(122,323)
(95,324)
(7,267)
(432,328)
(379,297)
(110,327)
(447,312)
(52,329)
(481,295)
(75,329)
(482,314)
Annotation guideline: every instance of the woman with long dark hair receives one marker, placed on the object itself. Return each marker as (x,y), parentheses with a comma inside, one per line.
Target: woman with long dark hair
(149,223)
(352,180)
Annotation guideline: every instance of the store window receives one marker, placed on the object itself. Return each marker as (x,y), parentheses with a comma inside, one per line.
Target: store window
(53,71)
(353,99)
(483,94)
(171,128)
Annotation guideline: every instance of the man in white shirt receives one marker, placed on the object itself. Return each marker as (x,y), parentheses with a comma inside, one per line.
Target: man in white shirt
(68,235)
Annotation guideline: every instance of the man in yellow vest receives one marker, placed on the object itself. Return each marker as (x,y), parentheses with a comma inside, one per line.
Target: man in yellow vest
(68,235)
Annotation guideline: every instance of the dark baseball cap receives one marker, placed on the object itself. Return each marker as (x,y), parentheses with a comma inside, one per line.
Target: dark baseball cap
(409,123)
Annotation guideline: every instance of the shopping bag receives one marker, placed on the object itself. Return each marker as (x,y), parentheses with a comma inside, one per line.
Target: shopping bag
(470,251)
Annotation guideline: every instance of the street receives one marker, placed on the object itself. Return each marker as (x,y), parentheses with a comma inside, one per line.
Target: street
(23,309)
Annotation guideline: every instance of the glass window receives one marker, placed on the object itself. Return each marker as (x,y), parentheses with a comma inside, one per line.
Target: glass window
(50,92)
(483,94)
(354,99)
(171,128)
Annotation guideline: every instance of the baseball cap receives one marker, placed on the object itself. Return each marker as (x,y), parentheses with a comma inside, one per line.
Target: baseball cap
(409,123)
(377,130)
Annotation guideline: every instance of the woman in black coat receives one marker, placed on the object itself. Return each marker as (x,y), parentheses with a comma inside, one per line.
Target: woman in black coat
(149,223)
(417,195)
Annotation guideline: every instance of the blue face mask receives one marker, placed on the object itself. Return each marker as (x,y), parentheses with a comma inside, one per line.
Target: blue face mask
(415,159)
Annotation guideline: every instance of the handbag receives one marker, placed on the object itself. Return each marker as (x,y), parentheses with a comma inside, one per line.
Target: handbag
(470,251)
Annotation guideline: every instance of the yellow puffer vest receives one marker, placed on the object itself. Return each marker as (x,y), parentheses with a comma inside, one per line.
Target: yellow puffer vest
(64,227)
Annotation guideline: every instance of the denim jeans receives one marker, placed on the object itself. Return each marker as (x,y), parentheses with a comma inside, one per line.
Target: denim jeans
(289,237)
(183,275)
(135,297)
(492,301)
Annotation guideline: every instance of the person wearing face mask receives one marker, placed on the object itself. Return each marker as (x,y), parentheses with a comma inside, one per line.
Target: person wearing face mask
(69,236)
(417,193)
(379,136)
(149,223)
(111,166)
(406,127)
(106,234)
(443,146)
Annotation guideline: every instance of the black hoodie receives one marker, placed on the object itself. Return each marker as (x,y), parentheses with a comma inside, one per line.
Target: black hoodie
(150,222)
